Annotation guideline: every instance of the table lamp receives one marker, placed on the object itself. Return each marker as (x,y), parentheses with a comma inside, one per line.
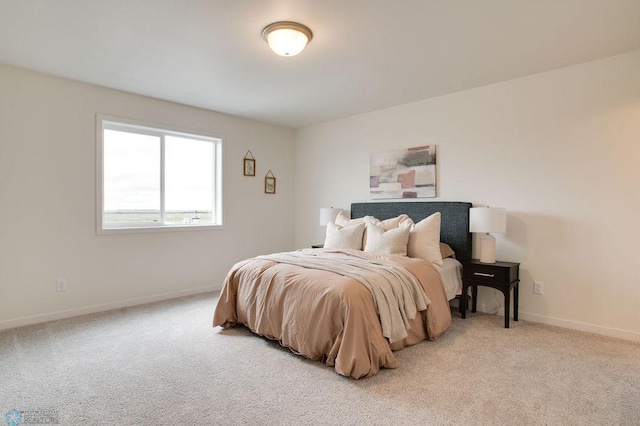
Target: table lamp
(328,214)
(487,220)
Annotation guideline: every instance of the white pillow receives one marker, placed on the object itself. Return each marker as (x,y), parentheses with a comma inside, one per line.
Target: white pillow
(344,237)
(424,239)
(392,241)
(343,220)
(394,222)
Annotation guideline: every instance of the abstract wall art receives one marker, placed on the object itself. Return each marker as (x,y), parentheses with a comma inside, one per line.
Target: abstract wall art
(403,173)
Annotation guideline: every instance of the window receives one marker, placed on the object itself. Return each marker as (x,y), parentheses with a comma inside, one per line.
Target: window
(150,178)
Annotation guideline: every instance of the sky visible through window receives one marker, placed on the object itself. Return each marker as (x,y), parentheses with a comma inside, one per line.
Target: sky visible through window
(189,174)
(131,171)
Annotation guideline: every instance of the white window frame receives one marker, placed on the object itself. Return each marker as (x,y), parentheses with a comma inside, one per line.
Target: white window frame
(116,123)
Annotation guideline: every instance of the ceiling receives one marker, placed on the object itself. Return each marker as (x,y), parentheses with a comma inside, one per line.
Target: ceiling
(365,54)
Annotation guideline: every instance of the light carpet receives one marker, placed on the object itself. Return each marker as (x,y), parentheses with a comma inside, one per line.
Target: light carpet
(164,364)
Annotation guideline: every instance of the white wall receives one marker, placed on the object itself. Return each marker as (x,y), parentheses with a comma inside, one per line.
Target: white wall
(47,203)
(560,150)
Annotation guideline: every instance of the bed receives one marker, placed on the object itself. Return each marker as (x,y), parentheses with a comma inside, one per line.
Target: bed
(345,307)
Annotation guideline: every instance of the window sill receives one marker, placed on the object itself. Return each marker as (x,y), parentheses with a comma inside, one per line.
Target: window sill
(156,228)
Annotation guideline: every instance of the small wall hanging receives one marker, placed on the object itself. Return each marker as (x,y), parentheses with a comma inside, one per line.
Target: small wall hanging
(249,164)
(269,183)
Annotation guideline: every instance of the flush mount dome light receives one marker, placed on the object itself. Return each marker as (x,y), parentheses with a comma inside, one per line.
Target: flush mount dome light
(287,38)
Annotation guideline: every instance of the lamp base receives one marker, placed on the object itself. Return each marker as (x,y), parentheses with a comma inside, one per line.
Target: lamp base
(487,249)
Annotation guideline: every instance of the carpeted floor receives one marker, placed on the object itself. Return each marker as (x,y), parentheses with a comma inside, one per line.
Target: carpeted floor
(163,364)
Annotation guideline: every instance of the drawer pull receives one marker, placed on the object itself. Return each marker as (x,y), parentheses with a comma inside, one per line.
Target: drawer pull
(483,274)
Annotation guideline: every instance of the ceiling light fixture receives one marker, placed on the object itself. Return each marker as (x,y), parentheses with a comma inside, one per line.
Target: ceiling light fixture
(287,38)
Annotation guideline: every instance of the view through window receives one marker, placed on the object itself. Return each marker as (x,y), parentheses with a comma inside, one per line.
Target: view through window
(157,178)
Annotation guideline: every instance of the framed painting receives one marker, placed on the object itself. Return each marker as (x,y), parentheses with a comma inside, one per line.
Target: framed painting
(403,173)
(269,183)
(249,165)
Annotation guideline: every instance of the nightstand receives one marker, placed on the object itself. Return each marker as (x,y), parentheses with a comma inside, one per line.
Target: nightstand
(502,276)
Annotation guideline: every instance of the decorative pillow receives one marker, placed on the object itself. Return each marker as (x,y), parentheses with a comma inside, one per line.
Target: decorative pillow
(343,220)
(424,239)
(447,251)
(394,222)
(392,241)
(344,237)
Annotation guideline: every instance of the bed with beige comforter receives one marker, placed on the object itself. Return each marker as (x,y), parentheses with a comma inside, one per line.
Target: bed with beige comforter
(347,308)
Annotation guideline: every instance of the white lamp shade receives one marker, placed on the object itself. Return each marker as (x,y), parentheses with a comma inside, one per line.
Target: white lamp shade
(488,219)
(287,42)
(287,38)
(328,214)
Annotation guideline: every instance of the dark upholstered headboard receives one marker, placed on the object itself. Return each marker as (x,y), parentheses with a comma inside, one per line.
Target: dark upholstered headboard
(454,229)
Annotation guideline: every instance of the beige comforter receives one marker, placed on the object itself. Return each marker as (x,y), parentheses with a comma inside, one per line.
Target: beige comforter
(324,315)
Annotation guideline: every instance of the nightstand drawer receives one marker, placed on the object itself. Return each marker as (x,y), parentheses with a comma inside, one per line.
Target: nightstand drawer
(499,272)
(486,274)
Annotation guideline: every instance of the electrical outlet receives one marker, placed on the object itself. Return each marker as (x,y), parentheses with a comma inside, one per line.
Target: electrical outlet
(538,287)
(61,284)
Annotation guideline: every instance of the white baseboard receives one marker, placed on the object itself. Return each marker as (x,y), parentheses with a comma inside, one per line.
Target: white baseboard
(36,319)
(581,326)
(572,325)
